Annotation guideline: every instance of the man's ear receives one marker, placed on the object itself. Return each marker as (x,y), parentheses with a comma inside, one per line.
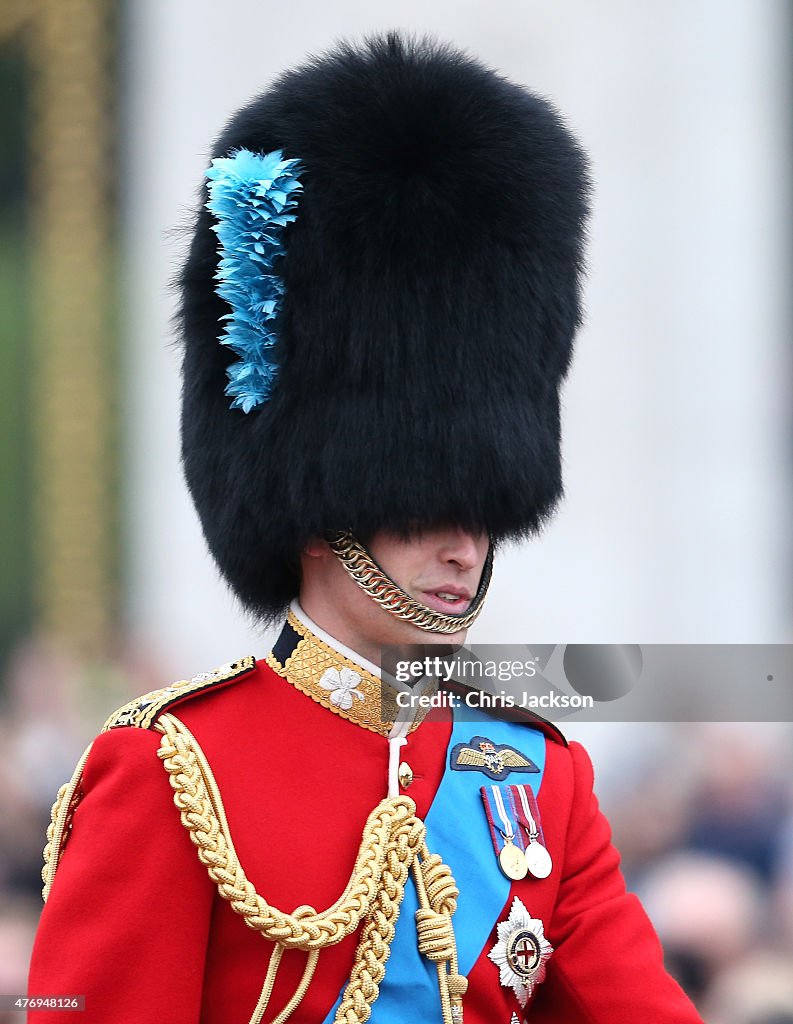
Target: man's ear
(316,547)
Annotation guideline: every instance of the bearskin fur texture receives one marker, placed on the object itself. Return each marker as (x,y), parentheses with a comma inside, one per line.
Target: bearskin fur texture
(432,294)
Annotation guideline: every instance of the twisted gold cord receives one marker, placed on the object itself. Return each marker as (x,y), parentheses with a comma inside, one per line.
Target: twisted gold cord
(392,844)
(269,982)
(437,895)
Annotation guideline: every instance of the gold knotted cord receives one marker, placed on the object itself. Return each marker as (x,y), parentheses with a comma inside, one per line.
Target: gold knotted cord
(393,843)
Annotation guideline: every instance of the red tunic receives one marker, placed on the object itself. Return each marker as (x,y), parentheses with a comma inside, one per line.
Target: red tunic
(134,923)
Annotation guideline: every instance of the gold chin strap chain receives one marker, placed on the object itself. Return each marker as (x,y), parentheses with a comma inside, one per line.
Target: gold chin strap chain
(393,844)
(360,565)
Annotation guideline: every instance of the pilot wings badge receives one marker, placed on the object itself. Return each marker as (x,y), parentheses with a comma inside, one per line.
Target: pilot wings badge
(496,760)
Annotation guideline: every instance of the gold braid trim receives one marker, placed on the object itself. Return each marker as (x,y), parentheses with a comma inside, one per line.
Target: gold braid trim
(392,844)
(312,657)
(142,711)
(60,825)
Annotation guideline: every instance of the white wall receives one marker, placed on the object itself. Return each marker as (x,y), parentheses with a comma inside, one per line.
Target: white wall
(677,407)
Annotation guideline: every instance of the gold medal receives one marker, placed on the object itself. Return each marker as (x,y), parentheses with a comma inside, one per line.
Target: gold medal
(512,860)
(510,856)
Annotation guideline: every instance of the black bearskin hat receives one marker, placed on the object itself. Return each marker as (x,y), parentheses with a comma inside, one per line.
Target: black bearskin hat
(431,292)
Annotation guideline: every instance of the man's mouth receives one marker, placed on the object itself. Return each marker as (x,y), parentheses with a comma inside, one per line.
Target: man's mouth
(448,599)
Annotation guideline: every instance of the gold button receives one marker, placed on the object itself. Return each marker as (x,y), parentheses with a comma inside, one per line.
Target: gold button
(405,774)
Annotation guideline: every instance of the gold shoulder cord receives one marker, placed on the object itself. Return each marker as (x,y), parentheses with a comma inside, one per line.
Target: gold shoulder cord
(393,844)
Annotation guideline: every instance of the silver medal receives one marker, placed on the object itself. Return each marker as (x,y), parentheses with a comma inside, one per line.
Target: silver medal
(538,860)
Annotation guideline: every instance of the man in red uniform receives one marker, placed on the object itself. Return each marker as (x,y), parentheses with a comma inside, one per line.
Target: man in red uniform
(384,281)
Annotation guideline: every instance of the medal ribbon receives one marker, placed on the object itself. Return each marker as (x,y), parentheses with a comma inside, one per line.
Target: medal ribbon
(501,819)
(524,803)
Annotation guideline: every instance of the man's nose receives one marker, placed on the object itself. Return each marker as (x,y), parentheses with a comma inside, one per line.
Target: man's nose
(461,548)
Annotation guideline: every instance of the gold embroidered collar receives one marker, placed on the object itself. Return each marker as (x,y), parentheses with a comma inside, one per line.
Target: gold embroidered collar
(332,679)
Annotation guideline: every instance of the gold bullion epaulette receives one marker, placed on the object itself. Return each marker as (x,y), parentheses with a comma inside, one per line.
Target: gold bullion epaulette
(142,711)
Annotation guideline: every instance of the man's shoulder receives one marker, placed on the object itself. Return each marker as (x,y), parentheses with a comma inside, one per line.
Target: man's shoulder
(473,697)
(119,768)
(142,712)
(549,729)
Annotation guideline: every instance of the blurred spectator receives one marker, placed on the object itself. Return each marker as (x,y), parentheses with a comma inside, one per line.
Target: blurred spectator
(708,913)
(757,990)
(40,736)
(54,706)
(644,775)
(17,927)
(740,803)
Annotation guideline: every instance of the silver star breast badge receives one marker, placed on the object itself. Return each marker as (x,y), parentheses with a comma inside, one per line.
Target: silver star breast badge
(521,952)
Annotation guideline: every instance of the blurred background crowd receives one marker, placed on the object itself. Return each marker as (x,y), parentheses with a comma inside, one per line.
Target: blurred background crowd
(676,524)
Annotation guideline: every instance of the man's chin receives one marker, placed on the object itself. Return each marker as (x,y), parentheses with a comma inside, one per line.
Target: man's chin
(431,638)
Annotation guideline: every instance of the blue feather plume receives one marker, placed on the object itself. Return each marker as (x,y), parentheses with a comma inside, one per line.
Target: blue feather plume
(253,196)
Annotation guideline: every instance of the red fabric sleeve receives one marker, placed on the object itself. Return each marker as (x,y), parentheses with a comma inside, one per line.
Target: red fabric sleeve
(127,919)
(607,966)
